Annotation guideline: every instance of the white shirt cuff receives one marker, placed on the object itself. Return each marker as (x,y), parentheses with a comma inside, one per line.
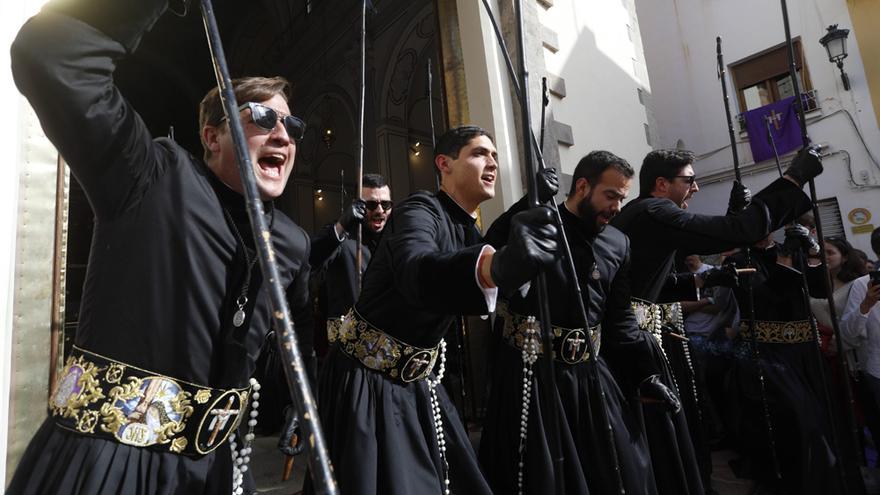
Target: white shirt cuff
(491,294)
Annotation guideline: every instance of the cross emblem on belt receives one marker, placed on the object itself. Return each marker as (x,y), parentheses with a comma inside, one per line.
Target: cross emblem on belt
(221,417)
(574,342)
(417,366)
(775,118)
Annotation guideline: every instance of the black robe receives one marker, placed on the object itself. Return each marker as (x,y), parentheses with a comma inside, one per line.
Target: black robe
(794,379)
(588,466)
(165,265)
(335,263)
(657,228)
(379,430)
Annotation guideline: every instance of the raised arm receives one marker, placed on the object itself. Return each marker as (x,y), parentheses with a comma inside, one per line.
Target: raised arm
(63,61)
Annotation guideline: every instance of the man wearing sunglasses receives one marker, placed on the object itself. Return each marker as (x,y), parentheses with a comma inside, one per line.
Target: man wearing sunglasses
(658,224)
(174,308)
(334,248)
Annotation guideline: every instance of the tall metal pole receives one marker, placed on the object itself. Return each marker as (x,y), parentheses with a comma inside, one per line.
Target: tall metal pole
(820,237)
(549,389)
(750,295)
(430,94)
(359,259)
(544,102)
(294,367)
(568,263)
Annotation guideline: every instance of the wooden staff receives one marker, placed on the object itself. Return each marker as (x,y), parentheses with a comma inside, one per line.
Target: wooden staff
(294,367)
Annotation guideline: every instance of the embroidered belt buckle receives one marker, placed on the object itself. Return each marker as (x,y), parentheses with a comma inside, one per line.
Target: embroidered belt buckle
(334,325)
(101,397)
(381,352)
(569,344)
(654,317)
(779,332)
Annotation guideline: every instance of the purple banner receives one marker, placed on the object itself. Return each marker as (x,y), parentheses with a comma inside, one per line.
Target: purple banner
(783,125)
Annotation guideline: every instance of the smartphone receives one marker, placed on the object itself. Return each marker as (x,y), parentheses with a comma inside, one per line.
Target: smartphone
(875,277)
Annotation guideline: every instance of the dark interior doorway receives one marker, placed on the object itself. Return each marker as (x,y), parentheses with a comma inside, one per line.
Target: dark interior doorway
(316,46)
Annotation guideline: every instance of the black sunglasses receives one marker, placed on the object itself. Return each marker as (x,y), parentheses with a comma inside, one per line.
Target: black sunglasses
(372,205)
(266,118)
(690,179)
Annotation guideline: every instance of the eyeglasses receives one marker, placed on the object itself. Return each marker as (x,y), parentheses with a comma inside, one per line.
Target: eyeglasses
(372,205)
(690,179)
(266,118)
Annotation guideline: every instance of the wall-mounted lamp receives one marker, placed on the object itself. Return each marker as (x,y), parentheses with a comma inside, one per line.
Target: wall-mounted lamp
(416,148)
(328,136)
(318,195)
(835,44)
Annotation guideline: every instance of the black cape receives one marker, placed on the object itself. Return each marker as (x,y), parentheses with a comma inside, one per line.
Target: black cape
(588,466)
(379,432)
(165,266)
(657,228)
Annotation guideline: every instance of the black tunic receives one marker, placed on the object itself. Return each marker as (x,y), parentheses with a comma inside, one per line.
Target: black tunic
(165,265)
(793,378)
(657,228)
(588,466)
(335,262)
(379,430)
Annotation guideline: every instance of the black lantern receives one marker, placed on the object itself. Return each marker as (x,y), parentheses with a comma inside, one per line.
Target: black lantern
(834,42)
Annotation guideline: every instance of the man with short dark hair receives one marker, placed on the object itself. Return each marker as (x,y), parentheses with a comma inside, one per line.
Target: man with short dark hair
(658,224)
(391,428)
(174,308)
(334,249)
(515,447)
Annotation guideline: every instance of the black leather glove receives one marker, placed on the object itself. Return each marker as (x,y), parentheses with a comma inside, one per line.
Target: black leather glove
(290,430)
(353,215)
(806,165)
(653,390)
(797,237)
(548,184)
(724,276)
(531,243)
(740,198)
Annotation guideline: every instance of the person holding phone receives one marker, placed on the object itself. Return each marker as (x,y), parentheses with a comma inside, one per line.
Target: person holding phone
(860,323)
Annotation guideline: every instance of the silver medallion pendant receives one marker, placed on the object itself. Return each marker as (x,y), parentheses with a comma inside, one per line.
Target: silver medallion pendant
(596,275)
(238,318)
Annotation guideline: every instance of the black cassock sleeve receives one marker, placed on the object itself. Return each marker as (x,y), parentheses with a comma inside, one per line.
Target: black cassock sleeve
(772,207)
(324,247)
(500,228)
(427,275)
(624,345)
(64,67)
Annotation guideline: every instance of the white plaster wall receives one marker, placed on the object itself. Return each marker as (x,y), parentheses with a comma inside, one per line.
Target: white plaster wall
(679,41)
(595,58)
(11,155)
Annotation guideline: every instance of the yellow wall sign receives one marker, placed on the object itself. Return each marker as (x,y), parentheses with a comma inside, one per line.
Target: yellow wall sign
(863,229)
(859,216)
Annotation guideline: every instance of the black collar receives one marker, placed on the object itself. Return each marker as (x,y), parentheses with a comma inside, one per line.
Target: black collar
(455,210)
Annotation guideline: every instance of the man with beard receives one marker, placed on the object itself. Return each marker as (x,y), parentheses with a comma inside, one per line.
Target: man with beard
(523,463)
(173,308)
(658,224)
(391,428)
(333,261)
(334,250)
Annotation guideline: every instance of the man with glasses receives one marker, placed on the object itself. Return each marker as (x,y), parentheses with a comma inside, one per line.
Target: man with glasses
(333,260)
(334,248)
(174,308)
(658,224)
